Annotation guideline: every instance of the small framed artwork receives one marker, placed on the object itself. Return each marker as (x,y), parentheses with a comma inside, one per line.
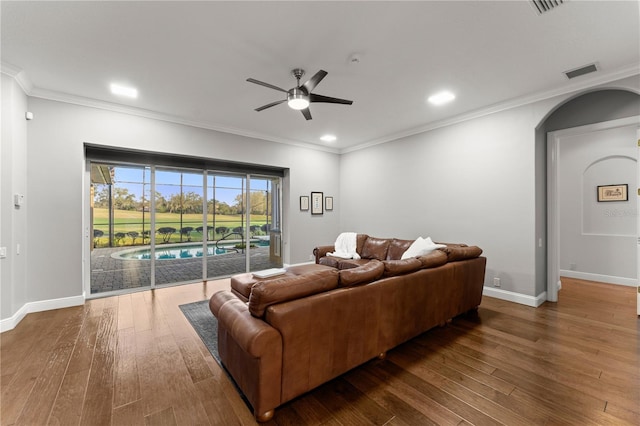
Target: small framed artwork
(304,202)
(328,203)
(613,192)
(316,203)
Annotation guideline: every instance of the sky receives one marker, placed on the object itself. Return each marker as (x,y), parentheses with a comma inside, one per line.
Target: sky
(226,187)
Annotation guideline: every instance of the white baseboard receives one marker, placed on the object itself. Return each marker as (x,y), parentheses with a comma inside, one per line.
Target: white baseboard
(629,282)
(39,306)
(510,296)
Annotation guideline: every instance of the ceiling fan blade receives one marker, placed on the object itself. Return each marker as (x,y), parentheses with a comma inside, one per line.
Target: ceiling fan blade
(313,81)
(306,113)
(262,83)
(328,99)
(270,105)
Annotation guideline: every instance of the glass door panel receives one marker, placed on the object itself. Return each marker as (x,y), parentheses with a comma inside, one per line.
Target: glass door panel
(178,223)
(226,218)
(120,221)
(263,227)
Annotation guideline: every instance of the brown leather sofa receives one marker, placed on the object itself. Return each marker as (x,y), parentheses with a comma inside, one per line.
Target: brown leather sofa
(283,336)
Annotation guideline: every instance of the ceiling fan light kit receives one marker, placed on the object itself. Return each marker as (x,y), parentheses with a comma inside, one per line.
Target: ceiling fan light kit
(300,97)
(296,99)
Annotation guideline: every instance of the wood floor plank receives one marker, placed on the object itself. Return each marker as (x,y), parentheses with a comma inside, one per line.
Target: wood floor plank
(129,415)
(126,384)
(98,401)
(135,359)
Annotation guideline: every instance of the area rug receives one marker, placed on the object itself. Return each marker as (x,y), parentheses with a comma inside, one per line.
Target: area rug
(206,325)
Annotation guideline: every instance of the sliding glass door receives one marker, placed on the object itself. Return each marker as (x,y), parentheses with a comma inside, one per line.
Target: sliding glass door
(161,226)
(179,229)
(121,223)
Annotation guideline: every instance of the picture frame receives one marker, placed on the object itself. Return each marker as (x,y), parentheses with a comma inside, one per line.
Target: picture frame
(304,202)
(328,203)
(608,193)
(316,203)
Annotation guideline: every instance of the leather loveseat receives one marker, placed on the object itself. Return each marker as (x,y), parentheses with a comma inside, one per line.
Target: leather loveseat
(283,336)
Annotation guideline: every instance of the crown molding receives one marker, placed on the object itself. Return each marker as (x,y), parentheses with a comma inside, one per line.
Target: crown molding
(586,83)
(141,112)
(18,75)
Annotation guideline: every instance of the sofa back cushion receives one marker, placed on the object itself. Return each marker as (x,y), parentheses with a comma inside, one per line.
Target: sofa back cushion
(363,274)
(267,293)
(360,239)
(401,267)
(455,253)
(434,259)
(397,248)
(375,248)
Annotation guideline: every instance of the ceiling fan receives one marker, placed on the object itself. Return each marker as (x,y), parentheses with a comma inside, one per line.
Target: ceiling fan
(300,96)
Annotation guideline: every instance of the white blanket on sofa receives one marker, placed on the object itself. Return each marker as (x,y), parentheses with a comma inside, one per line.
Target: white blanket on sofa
(345,246)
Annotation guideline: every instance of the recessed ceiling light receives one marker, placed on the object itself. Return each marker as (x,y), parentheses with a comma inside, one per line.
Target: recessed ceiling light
(328,138)
(441,98)
(129,92)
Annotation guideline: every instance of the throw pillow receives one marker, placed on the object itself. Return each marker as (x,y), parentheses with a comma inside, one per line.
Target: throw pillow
(420,247)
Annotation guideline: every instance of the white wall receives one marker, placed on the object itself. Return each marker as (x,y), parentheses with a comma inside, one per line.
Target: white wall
(474,182)
(55,191)
(478,182)
(13,179)
(469,183)
(597,237)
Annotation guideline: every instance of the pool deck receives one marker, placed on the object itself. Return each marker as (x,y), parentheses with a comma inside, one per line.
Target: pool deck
(112,274)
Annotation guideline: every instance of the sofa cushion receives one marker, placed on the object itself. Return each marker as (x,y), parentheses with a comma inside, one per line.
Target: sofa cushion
(375,248)
(363,274)
(420,247)
(397,248)
(455,253)
(400,267)
(434,259)
(352,263)
(329,261)
(270,292)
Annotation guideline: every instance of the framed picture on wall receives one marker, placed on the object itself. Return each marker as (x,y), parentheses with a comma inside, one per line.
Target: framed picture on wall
(316,203)
(304,202)
(328,203)
(613,192)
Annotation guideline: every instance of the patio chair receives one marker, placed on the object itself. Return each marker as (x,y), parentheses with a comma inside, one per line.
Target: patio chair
(221,230)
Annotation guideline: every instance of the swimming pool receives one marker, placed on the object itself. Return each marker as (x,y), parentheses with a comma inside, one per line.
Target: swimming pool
(173,251)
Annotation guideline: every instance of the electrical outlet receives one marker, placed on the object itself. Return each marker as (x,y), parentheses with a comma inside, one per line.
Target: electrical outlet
(311,257)
(496,282)
(3,252)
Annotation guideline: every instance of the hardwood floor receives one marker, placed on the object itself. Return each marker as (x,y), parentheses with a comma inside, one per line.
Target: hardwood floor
(135,360)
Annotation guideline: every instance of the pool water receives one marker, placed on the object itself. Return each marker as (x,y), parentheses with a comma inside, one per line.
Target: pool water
(181,252)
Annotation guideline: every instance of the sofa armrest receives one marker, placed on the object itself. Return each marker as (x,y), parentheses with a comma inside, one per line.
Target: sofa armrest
(251,351)
(321,251)
(253,335)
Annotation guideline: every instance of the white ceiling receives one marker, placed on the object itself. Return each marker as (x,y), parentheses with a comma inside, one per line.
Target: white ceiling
(190,60)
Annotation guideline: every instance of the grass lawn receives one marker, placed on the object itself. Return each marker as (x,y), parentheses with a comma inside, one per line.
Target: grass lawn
(131,221)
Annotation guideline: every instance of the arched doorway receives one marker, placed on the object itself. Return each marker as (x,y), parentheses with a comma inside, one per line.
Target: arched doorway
(590,112)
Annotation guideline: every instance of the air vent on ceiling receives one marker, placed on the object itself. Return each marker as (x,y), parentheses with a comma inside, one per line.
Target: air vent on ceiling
(542,6)
(581,71)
